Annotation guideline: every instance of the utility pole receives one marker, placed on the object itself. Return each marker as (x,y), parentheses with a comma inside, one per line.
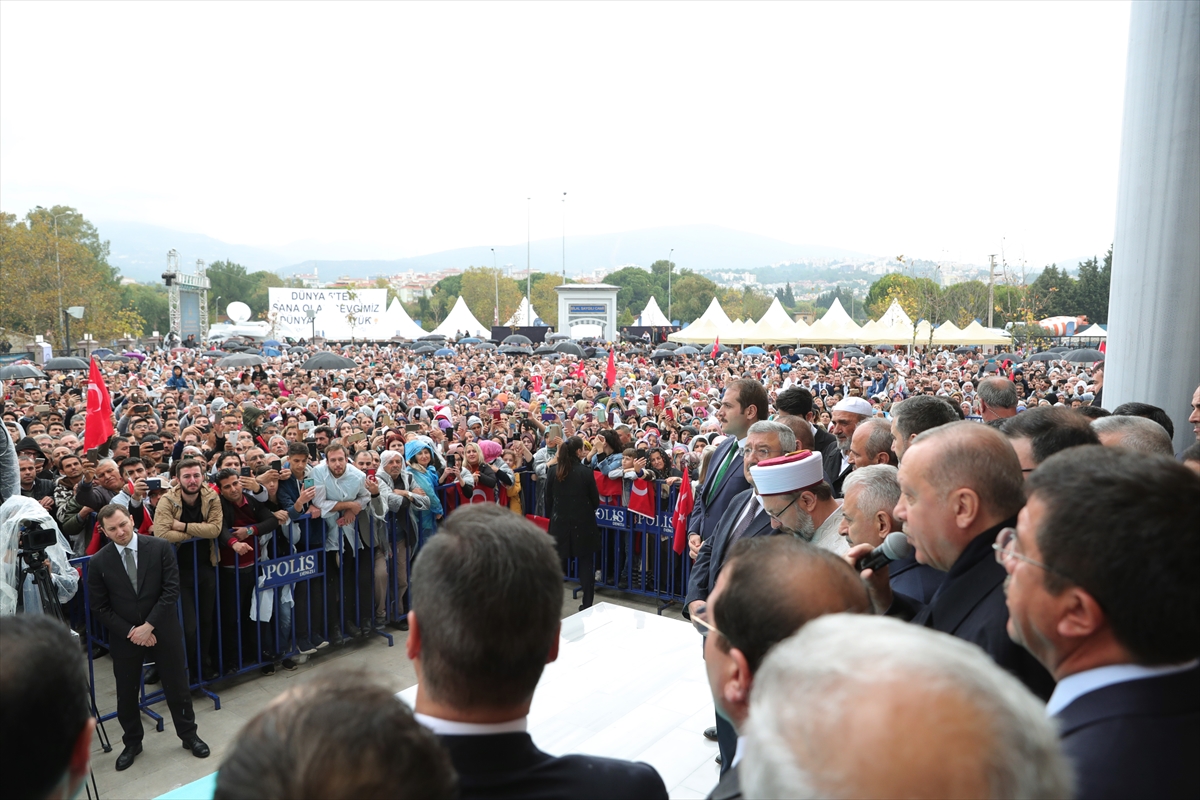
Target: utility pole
(496,275)
(528,261)
(564,280)
(670,269)
(991,286)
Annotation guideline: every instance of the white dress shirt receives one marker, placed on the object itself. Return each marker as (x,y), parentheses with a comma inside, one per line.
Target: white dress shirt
(445,727)
(121,548)
(1072,687)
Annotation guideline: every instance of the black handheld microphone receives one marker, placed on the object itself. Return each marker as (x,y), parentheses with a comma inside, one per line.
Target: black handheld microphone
(895,547)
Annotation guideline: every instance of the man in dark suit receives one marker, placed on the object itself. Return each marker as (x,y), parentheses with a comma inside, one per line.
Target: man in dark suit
(478,663)
(134,582)
(1103,593)
(845,418)
(743,518)
(960,485)
(797,581)
(743,404)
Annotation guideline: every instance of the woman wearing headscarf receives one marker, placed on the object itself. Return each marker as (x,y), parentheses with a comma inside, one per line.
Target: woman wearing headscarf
(402,497)
(571,503)
(476,480)
(424,477)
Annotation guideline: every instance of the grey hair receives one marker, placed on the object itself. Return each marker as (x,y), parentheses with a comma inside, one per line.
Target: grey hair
(880,488)
(879,436)
(998,392)
(1136,433)
(811,683)
(112,461)
(787,439)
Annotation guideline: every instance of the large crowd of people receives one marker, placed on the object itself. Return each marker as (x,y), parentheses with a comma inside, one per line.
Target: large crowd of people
(1035,636)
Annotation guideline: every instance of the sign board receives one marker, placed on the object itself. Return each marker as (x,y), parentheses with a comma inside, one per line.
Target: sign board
(341,313)
(290,569)
(612,517)
(588,309)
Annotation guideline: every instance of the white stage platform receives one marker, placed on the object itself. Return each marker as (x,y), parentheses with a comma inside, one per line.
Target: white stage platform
(628,684)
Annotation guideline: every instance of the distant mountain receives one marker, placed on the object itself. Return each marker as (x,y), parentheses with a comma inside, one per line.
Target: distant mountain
(700,248)
(140,251)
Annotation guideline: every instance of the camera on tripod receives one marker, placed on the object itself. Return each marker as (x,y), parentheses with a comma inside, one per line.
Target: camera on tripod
(34,537)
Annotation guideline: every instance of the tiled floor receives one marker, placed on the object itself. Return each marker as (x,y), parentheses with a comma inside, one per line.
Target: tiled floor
(632,687)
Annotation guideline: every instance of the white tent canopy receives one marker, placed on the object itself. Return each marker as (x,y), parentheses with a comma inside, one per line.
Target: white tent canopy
(397,319)
(714,320)
(835,327)
(976,333)
(1094,332)
(525,315)
(461,319)
(775,327)
(652,315)
(947,333)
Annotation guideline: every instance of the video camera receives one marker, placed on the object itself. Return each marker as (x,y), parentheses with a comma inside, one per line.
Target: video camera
(33,536)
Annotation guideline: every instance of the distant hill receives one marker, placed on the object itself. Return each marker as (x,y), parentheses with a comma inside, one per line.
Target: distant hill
(140,251)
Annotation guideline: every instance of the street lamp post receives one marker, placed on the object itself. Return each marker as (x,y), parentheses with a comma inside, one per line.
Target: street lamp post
(218,305)
(312,318)
(77,313)
(528,260)
(670,269)
(496,275)
(62,326)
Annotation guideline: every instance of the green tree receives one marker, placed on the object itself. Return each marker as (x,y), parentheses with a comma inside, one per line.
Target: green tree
(151,304)
(545,298)
(478,289)
(1055,291)
(637,287)
(965,302)
(691,295)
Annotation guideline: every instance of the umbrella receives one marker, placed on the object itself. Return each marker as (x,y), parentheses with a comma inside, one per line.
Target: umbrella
(874,361)
(517,338)
(720,349)
(514,350)
(553,356)
(296,349)
(658,355)
(569,348)
(1084,356)
(1002,357)
(116,357)
(433,337)
(470,340)
(484,346)
(964,350)
(101,352)
(1058,348)
(1048,355)
(807,351)
(272,343)
(545,349)
(65,363)
(445,351)
(327,360)
(753,351)
(242,360)
(669,346)
(850,352)
(17,371)
(424,349)
(270,352)
(600,354)
(212,354)
(134,354)
(687,350)
(884,347)
(558,337)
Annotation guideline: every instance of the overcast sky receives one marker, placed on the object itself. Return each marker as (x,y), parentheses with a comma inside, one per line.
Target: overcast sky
(939,130)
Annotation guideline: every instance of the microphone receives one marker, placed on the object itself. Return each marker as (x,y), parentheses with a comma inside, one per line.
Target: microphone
(895,547)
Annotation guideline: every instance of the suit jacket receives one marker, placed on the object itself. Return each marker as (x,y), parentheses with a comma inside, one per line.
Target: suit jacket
(119,608)
(832,461)
(918,581)
(715,549)
(507,765)
(1136,738)
(970,605)
(707,511)
(571,506)
(728,788)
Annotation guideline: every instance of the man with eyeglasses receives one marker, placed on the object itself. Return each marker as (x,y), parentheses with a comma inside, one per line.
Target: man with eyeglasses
(798,582)
(960,485)
(1102,594)
(799,500)
(743,518)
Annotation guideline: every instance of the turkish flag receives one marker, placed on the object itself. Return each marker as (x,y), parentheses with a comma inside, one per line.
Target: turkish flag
(683,507)
(640,501)
(610,375)
(98,425)
(537,383)
(778,358)
(579,371)
(1104,347)
(716,344)
(836,361)
(606,486)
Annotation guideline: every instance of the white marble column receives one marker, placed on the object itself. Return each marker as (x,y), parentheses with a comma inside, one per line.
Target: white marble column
(1154,306)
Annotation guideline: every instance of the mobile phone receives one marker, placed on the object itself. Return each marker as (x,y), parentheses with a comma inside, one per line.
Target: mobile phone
(549,417)
(277,465)
(371,473)
(312,450)
(309,483)
(93,455)
(355,438)
(42,409)
(158,446)
(307,425)
(153,484)
(416,427)
(246,472)
(495,413)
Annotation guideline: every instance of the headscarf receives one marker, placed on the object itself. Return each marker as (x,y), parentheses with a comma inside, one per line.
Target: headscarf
(412,450)
(491,450)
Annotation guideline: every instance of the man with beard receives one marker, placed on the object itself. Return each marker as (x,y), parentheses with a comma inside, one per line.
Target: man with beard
(844,419)
(798,500)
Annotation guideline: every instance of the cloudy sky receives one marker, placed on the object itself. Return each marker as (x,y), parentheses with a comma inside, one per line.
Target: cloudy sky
(939,130)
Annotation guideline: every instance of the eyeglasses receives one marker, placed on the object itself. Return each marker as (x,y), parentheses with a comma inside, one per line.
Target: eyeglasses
(782,511)
(1005,547)
(700,623)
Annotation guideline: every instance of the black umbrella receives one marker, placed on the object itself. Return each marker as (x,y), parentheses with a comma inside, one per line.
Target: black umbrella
(569,348)
(659,355)
(65,364)
(558,337)
(600,354)
(669,346)
(484,346)
(424,349)
(1000,358)
(1048,355)
(1060,348)
(687,350)
(874,361)
(15,372)
(296,349)
(884,347)
(213,354)
(242,360)
(1084,356)
(720,349)
(327,360)
(545,349)
(433,337)
(116,357)
(517,338)
(514,350)
(964,350)
(807,351)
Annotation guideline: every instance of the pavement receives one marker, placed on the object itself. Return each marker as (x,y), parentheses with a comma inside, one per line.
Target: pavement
(164,765)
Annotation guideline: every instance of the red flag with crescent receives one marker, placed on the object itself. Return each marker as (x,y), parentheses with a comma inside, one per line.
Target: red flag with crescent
(778,358)
(836,362)
(716,346)
(683,507)
(98,425)
(640,501)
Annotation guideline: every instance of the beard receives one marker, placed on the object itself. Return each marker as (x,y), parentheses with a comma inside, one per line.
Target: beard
(806,530)
(844,445)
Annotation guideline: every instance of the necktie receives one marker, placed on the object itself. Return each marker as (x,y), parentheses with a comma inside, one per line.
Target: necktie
(712,487)
(744,525)
(130,567)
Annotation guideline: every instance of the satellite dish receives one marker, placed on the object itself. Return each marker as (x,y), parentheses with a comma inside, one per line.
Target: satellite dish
(238,311)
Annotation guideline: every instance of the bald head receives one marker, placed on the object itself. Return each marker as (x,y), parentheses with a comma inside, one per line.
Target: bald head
(943,719)
(871,443)
(801,427)
(977,457)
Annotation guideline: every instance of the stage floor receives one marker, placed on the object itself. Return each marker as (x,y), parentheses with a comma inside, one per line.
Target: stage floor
(628,684)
